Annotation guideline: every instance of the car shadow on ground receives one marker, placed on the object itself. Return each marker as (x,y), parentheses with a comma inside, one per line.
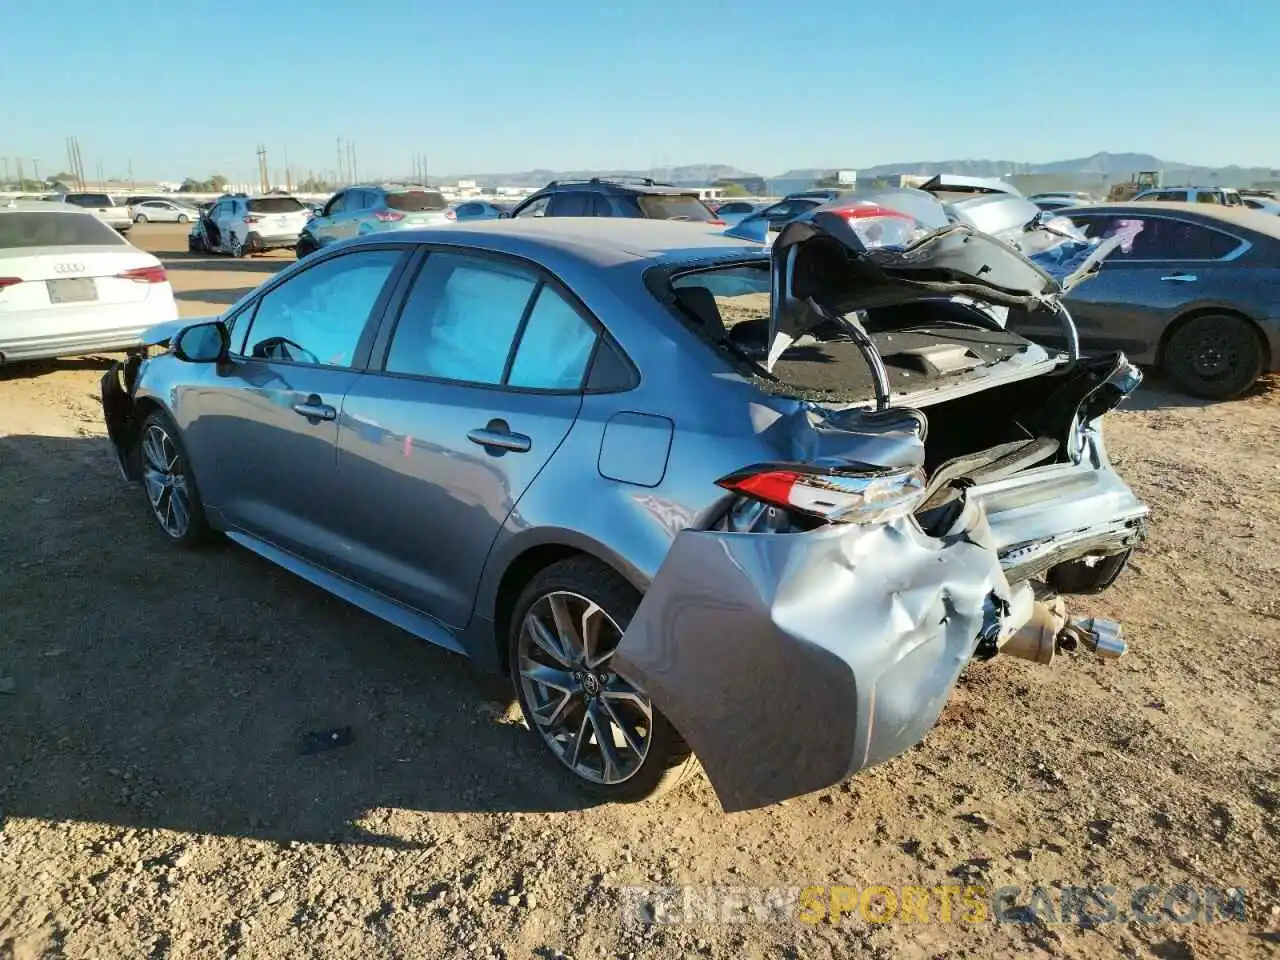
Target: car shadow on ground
(1158,393)
(145,685)
(32,369)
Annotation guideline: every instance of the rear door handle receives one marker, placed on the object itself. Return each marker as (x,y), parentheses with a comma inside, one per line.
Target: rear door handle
(496,435)
(1180,277)
(314,408)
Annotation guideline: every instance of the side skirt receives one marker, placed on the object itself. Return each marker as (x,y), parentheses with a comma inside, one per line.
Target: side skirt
(370,601)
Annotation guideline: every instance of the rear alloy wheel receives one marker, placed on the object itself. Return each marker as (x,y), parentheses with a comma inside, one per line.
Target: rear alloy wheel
(183,218)
(140,218)
(238,247)
(600,726)
(168,483)
(1215,357)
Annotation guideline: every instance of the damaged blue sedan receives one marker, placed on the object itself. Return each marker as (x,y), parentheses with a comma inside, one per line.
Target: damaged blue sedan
(695,495)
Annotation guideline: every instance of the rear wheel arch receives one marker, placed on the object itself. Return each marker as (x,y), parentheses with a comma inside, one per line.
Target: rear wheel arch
(523,568)
(1183,319)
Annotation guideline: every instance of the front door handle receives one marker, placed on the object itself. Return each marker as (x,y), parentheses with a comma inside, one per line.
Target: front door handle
(1180,278)
(496,435)
(313,408)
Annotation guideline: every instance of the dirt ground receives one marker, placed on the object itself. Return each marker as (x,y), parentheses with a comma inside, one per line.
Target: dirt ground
(154,801)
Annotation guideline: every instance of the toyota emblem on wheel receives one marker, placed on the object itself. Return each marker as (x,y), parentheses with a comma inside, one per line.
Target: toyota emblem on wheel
(65,268)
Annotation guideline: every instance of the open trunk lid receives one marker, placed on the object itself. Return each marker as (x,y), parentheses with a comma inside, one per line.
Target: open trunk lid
(897,247)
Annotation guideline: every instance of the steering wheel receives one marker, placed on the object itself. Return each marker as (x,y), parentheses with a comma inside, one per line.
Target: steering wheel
(263,348)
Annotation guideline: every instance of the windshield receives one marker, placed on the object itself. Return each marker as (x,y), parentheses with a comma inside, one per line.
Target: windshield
(28,229)
(416,201)
(275,205)
(673,207)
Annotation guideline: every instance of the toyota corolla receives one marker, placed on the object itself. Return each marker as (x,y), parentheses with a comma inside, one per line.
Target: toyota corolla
(692,495)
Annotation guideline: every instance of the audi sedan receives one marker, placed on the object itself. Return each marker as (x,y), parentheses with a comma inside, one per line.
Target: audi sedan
(71,285)
(686,510)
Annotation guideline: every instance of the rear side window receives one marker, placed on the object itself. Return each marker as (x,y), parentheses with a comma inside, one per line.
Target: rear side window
(673,207)
(460,319)
(1157,238)
(555,346)
(464,314)
(24,230)
(275,205)
(90,200)
(1209,196)
(416,201)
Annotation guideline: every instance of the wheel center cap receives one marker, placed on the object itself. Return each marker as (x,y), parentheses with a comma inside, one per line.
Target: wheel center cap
(591,685)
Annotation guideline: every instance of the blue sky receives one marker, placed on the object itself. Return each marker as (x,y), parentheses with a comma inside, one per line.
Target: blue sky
(191,88)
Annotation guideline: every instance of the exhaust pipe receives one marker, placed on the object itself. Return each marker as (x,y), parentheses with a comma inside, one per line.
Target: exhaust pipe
(1048,631)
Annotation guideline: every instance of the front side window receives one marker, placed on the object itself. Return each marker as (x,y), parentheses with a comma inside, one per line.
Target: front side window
(537,208)
(573,204)
(318,315)
(336,205)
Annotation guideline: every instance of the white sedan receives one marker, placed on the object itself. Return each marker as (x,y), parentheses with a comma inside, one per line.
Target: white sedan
(163,211)
(71,285)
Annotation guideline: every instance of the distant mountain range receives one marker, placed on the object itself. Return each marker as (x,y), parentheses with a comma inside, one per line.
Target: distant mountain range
(1101,167)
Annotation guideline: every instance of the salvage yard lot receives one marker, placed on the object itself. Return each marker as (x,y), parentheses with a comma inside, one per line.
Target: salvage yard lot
(154,799)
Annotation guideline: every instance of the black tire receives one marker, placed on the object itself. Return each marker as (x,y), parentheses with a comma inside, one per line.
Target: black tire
(183,218)
(238,248)
(140,218)
(667,761)
(195,244)
(197,531)
(303,248)
(1215,356)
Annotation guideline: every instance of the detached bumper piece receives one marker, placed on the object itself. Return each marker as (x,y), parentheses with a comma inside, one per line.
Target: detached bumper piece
(789,662)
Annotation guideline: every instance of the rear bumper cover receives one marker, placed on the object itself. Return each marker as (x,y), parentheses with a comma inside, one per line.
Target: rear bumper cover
(791,661)
(70,344)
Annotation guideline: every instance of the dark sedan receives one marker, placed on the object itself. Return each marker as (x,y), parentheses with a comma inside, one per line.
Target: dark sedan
(1193,289)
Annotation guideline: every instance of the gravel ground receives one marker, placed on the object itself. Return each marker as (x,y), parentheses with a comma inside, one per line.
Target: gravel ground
(154,801)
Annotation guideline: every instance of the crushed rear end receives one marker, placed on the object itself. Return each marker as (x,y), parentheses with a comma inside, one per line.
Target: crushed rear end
(818,622)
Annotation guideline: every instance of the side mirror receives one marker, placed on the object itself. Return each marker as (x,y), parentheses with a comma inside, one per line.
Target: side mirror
(202,343)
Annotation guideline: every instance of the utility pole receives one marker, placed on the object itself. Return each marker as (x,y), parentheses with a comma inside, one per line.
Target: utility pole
(132,186)
(6,171)
(35,166)
(18,160)
(341,180)
(263,179)
(353,169)
(288,172)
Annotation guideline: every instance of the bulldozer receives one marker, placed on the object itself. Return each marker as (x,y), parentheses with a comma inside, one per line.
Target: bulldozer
(1142,180)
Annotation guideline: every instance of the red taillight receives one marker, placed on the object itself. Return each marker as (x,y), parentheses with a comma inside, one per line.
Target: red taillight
(450,215)
(252,218)
(388,216)
(716,222)
(853,493)
(145,275)
(9,281)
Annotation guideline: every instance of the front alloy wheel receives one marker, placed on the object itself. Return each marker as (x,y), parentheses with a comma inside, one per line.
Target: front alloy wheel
(167,482)
(599,725)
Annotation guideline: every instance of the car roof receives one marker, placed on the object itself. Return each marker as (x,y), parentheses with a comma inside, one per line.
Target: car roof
(1240,217)
(596,241)
(617,186)
(43,206)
